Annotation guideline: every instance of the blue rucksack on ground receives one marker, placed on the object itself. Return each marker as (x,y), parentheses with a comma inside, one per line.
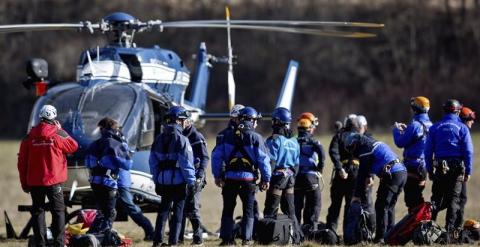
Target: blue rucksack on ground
(359,228)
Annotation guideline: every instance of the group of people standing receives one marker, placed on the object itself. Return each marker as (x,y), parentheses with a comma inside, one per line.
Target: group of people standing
(288,167)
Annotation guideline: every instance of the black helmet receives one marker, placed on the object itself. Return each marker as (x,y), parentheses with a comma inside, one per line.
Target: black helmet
(452,106)
(177,112)
(249,113)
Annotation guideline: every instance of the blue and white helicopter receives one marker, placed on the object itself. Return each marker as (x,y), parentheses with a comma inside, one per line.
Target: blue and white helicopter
(137,85)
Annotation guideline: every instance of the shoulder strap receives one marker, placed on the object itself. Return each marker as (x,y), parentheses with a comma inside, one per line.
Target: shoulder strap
(424,128)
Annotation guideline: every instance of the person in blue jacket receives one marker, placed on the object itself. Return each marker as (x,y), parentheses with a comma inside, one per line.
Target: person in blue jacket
(237,159)
(376,158)
(449,159)
(125,201)
(200,162)
(308,195)
(105,157)
(284,154)
(412,139)
(171,165)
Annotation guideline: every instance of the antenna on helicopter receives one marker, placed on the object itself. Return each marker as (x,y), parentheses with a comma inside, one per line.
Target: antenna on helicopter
(231,81)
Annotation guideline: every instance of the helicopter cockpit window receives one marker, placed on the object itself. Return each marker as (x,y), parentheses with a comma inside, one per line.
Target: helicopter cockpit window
(66,102)
(115,102)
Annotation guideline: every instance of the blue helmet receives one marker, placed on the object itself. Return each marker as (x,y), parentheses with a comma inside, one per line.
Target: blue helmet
(177,112)
(281,115)
(249,113)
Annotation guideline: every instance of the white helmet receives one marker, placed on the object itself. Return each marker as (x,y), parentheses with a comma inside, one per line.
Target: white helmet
(48,112)
(362,120)
(349,117)
(236,110)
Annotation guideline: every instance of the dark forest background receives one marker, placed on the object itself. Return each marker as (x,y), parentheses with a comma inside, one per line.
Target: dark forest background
(428,47)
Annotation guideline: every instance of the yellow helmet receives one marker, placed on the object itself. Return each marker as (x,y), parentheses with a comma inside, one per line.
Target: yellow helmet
(420,104)
(471,224)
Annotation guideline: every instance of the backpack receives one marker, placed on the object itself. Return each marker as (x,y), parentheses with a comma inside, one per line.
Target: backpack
(280,230)
(359,227)
(86,240)
(325,237)
(427,232)
(402,232)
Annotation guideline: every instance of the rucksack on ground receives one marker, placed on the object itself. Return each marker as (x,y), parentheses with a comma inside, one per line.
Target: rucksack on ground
(472,226)
(359,228)
(324,237)
(280,230)
(427,232)
(402,232)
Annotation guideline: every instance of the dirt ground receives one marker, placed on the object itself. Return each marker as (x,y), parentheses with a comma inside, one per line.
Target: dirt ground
(12,196)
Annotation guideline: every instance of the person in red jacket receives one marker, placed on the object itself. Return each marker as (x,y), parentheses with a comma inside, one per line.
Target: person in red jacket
(43,168)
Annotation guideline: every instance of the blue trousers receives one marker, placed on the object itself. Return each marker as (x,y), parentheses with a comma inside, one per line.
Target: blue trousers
(173,201)
(246,191)
(125,200)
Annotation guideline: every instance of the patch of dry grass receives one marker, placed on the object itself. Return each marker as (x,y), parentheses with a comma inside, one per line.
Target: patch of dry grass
(12,195)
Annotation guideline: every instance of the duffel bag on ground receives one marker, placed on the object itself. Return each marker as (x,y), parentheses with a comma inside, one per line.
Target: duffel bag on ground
(280,230)
(401,233)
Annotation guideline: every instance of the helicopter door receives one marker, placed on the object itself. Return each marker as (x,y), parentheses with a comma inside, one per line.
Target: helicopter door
(147,134)
(134,66)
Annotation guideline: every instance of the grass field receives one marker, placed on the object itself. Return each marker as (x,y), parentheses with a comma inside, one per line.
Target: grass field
(12,195)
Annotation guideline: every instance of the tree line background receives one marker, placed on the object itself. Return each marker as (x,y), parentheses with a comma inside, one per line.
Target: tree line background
(428,47)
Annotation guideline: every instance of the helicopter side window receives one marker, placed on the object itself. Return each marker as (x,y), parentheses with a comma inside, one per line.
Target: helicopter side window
(148,130)
(131,60)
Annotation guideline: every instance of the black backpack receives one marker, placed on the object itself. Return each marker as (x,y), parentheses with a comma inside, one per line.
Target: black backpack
(428,232)
(280,230)
(325,237)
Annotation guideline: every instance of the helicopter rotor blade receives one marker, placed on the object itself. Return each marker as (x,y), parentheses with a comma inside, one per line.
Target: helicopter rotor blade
(16,28)
(230,78)
(284,23)
(319,32)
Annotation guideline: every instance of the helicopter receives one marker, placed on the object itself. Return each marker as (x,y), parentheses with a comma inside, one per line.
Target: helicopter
(136,86)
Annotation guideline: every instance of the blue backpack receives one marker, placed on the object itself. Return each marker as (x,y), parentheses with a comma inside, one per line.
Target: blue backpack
(359,227)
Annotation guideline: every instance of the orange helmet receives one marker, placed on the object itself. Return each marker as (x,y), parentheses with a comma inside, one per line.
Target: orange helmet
(307,120)
(420,104)
(471,224)
(467,114)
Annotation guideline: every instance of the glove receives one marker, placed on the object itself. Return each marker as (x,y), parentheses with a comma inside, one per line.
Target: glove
(264,186)
(26,189)
(191,188)
(219,182)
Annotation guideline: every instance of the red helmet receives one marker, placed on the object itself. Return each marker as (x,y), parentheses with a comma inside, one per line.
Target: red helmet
(467,114)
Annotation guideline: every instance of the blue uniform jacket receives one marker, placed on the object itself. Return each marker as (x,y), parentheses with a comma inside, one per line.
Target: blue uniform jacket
(449,138)
(284,153)
(413,140)
(173,146)
(200,152)
(254,146)
(312,156)
(109,152)
(374,155)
